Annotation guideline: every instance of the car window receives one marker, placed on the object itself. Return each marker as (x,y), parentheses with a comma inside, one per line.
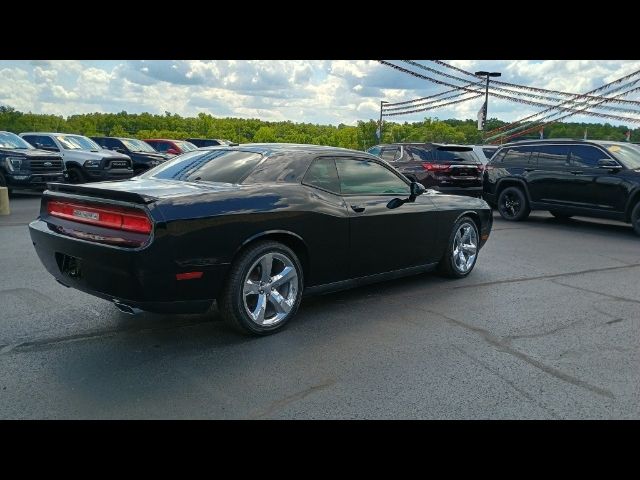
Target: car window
(374,151)
(11,140)
(456,154)
(160,146)
(552,155)
(417,154)
(629,155)
(227,166)
(586,156)
(366,177)
(488,152)
(323,174)
(516,156)
(390,153)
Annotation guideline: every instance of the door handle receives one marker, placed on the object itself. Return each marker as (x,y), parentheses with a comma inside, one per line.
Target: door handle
(576,172)
(357,208)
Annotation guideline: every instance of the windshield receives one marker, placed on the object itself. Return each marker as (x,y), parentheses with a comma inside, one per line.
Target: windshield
(628,155)
(11,140)
(456,154)
(227,166)
(77,142)
(186,146)
(135,145)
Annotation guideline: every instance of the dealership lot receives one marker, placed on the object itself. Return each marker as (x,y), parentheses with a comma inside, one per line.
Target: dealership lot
(545,327)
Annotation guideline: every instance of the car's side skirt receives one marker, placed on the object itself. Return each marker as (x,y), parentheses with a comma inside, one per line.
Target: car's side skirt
(378,277)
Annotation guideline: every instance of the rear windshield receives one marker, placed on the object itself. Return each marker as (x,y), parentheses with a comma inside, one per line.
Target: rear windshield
(456,154)
(227,166)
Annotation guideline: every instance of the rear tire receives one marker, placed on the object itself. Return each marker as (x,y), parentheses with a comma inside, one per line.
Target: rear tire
(635,218)
(263,289)
(462,249)
(560,215)
(513,204)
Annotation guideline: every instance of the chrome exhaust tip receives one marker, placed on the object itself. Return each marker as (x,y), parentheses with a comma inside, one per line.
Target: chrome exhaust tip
(128,309)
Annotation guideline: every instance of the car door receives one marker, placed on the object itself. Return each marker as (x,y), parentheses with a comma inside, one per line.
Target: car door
(595,187)
(553,178)
(382,238)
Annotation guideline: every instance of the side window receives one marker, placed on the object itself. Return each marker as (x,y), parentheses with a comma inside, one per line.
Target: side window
(498,157)
(586,156)
(488,152)
(553,155)
(416,154)
(366,177)
(160,146)
(32,139)
(44,141)
(390,153)
(322,174)
(374,151)
(100,141)
(517,156)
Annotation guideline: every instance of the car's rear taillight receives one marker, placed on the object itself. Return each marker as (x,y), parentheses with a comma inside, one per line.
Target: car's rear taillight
(434,166)
(117,218)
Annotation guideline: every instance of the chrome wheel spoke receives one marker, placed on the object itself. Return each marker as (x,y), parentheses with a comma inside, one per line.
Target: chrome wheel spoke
(465,248)
(261,308)
(469,248)
(266,264)
(286,275)
(280,304)
(251,288)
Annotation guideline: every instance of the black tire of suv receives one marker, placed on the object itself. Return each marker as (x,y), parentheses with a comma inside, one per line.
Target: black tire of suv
(513,213)
(76,176)
(560,215)
(635,218)
(447,267)
(231,303)
(3,183)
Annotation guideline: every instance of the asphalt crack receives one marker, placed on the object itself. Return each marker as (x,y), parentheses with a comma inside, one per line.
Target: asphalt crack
(503,346)
(279,404)
(550,277)
(522,392)
(614,297)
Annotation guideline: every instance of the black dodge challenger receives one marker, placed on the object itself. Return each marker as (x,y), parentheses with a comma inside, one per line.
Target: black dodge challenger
(252,227)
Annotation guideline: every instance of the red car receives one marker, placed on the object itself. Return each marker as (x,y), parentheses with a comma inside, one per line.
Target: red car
(171,147)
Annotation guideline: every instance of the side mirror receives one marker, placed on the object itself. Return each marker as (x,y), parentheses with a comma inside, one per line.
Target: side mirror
(47,147)
(395,203)
(417,189)
(118,149)
(609,164)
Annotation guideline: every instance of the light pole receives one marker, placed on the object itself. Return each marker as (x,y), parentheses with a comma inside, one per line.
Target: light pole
(486,93)
(380,122)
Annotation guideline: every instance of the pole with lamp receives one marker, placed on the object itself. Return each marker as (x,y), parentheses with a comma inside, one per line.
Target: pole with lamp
(485,107)
(380,122)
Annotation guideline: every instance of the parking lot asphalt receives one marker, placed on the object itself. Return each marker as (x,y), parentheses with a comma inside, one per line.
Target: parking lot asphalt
(546,326)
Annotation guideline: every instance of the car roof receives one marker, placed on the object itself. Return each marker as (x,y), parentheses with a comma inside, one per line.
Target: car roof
(434,144)
(562,141)
(268,148)
(53,133)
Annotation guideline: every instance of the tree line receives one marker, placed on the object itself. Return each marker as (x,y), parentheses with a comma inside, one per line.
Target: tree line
(247,130)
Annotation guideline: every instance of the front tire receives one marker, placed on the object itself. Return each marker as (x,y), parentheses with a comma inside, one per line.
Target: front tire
(513,204)
(263,289)
(76,176)
(635,218)
(462,249)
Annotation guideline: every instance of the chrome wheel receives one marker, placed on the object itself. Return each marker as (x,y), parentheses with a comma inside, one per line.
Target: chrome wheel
(270,289)
(465,247)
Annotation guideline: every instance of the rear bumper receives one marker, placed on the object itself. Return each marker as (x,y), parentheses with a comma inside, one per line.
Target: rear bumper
(143,278)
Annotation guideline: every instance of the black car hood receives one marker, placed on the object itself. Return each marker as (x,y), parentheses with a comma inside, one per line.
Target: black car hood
(149,155)
(29,152)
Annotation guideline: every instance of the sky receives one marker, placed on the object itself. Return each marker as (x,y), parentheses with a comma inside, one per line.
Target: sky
(312,91)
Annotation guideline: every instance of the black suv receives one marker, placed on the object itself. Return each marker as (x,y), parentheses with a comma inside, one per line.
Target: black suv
(141,153)
(25,167)
(566,177)
(453,169)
